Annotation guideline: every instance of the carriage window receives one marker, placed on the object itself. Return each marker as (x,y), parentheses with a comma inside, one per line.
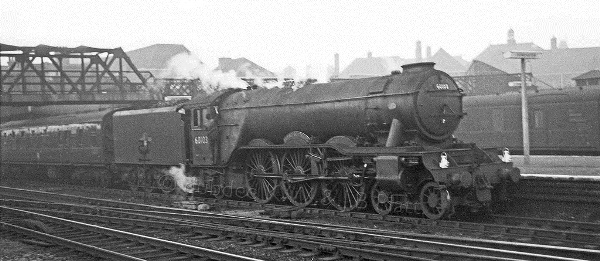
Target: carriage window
(197,118)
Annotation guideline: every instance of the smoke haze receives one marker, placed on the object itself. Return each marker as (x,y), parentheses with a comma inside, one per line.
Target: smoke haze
(189,66)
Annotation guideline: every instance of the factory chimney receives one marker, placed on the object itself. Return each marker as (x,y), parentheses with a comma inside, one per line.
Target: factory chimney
(511,37)
(428,53)
(418,56)
(336,65)
(553,45)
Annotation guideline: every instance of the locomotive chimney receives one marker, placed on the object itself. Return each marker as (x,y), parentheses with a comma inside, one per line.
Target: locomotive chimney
(336,66)
(369,55)
(418,55)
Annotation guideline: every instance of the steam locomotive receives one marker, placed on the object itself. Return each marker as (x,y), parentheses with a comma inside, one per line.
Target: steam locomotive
(383,143)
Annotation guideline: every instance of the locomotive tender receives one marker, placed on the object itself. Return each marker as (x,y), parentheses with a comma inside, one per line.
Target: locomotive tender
(384,142)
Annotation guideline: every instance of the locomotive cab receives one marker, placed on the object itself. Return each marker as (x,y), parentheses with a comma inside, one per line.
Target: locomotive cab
(203,135)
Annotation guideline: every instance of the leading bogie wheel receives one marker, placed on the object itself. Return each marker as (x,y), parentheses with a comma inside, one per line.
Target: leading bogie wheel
(434,200)
(381,199)
(261,169)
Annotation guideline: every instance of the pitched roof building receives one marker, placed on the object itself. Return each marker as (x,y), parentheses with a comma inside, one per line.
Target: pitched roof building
(591,78)
(554,69)
(155,58)
(376,66)
(373,66)
(447,63)
(244,68)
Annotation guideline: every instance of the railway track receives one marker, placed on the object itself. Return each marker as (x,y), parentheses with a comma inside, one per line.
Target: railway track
(520,229)
(311,240)
(105,242)
(324,233)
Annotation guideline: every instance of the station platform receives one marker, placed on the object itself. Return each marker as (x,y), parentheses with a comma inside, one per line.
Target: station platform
(559,165)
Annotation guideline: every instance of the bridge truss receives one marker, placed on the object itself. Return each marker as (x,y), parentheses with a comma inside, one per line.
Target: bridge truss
(46,75)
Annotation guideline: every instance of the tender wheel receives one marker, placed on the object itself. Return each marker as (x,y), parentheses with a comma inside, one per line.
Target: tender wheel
(167,184)
(434,200)
(381,199)
(260,163)
(344,195)
(296,167)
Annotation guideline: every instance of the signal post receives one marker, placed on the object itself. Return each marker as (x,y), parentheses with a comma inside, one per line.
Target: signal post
(523,55)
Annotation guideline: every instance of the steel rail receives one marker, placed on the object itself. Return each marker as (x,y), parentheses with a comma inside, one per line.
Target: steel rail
(85,248)
(577,234)
(168,245)
(586,238)
(324,234)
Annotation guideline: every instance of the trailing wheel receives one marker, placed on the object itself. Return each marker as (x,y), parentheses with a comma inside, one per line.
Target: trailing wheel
(346,193)
(261,169)
(434,200)
(296,169)
(381,199)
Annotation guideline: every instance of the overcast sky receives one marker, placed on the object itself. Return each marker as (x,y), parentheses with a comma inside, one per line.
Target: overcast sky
(275,34)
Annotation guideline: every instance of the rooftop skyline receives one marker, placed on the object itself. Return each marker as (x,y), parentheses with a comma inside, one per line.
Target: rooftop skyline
(275,34)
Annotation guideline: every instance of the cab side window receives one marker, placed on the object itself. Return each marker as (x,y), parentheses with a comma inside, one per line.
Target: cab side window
(207,118)
(197,118)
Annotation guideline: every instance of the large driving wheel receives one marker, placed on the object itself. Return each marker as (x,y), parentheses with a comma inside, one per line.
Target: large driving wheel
(296,168)
(381,199)
(344,194)
(259,165)
(434,200)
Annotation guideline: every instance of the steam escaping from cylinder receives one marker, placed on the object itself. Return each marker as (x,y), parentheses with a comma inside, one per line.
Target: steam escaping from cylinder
(184,183)
(189,66)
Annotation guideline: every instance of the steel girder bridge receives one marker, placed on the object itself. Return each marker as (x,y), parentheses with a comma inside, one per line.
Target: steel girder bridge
(48,75)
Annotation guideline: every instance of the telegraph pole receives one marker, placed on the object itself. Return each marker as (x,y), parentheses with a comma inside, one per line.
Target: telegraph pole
(523,55)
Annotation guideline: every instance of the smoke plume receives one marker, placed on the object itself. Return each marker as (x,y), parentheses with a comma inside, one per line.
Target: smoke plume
(184,183)
(189,66)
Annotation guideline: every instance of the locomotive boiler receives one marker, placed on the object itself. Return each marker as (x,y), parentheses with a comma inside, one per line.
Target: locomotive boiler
(426,102)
